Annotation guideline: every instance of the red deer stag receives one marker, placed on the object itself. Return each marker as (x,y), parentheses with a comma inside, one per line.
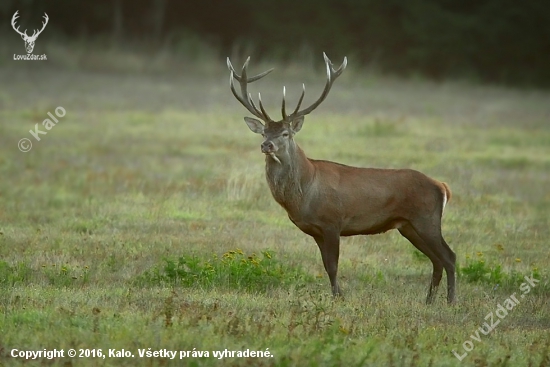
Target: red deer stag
(327,200)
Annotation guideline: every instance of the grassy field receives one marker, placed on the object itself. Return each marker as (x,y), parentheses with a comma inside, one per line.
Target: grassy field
(142,221)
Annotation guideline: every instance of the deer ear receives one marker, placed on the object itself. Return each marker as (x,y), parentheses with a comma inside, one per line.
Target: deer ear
(297,124)
(254,125)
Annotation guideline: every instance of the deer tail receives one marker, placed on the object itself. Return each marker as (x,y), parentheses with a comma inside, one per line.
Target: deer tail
(447,194)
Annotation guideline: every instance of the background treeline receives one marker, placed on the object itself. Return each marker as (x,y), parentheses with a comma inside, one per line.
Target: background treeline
(502,41)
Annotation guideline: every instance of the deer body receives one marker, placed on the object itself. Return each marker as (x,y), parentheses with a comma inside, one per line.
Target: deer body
(327,200)
(356,206)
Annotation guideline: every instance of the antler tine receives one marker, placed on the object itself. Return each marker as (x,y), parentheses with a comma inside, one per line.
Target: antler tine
(331,77)
(232,86)
(301,99)
(283,108)
(243,70)
(336,73)
(259,76)
(230,66)
(254,106)
(262,107)
(246,98)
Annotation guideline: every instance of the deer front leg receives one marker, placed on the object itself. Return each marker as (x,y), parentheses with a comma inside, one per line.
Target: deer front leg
(329,245)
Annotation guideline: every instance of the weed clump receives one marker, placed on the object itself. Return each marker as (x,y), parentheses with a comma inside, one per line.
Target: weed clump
(54,274)
(11,275)
(479,271)
(233,270)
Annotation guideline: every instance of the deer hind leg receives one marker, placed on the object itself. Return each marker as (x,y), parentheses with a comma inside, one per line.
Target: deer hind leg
(329,245)
(450,270)
(433,240)
(410,233)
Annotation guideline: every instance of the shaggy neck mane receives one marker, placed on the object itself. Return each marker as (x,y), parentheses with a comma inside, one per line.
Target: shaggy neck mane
(289,179)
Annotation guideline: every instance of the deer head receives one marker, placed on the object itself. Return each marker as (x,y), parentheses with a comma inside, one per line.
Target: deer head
(29,40)
(278,135)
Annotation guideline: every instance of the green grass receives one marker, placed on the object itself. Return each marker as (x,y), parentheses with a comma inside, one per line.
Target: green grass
(120,228)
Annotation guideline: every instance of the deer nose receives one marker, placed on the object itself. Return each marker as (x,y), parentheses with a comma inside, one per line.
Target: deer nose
(267,147)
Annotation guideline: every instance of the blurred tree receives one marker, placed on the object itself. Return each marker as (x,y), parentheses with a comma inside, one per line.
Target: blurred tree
(117,20)
(492,40)
(157,17)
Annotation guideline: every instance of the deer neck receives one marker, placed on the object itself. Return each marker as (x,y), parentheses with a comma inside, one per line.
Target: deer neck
(289,179)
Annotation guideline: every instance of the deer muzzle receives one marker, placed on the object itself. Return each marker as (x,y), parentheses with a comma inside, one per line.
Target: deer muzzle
(268,147)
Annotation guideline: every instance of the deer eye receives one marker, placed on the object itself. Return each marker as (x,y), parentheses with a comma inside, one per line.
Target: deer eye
(285,134)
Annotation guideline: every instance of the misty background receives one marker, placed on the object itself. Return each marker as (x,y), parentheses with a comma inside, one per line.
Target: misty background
(489,41)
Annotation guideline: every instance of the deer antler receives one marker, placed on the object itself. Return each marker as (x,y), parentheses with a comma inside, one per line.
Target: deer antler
(331,77)
(245,98)
(43,26)
(15,16)
(24,34)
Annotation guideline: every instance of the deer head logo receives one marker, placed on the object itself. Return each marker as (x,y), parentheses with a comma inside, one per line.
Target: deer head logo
(29,40)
